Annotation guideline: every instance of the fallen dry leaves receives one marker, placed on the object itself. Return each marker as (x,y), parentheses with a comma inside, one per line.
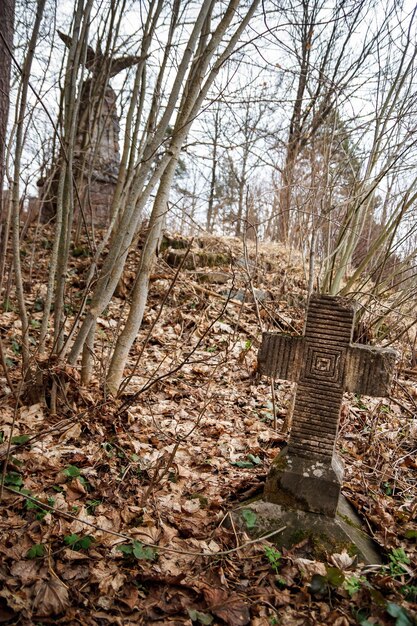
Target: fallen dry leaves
(122,510)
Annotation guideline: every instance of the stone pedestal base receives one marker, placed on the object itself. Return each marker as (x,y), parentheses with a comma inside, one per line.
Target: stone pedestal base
(305,483)
(326,535)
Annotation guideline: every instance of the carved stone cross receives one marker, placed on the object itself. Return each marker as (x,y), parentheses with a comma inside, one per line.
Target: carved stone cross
(324,364)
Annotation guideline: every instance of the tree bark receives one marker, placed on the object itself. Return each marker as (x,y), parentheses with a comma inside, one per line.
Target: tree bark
(6,47)
(141,288)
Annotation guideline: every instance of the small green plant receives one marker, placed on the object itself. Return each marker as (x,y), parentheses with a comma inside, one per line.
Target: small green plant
(13,479)
(16,347)
(249,517)
(398,558)
(274,558)
(72,471)
(353,584)
(137,550)
(359,403)
(91,505)
(38,306)
(172,477)
(251,461)
(387,488)
(409,592)
(37,507)
(321,585)
(108,449)
(75,542)
(401,616)
(201,618)
(20,439)
(37,550)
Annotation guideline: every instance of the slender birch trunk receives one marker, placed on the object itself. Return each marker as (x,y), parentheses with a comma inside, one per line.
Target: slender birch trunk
(16,187)
(141,288)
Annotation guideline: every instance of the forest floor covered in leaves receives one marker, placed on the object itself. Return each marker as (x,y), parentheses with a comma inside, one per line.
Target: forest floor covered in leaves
(116,511)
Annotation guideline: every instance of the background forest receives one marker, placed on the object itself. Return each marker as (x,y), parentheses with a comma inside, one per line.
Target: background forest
(177,177)
(291,122)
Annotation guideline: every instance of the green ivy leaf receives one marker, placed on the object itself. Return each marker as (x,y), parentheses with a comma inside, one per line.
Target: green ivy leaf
(69,540)
(197,616)
(72,471)
(401,615)
(86,542)
(79,543)
(411,533)
(243,464)
(138,550)
(16,347)
(35,551)
(143,552)
(250,518)
(20,439)
(335,576)
(14,479)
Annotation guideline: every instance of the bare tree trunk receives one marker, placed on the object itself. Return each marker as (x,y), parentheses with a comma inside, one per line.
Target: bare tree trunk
(6,47)
(140,291)
(213,176)
(16,188)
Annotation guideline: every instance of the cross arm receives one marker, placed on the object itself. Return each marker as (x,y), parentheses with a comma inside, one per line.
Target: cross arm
(369,370)
(280,355)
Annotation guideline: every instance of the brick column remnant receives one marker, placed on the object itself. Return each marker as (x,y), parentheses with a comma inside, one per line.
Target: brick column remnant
(324,364)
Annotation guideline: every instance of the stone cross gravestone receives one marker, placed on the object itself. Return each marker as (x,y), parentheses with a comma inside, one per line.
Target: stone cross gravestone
(324,364)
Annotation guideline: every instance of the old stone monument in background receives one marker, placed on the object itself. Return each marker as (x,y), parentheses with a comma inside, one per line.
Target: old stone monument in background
(96,153)
(305,479)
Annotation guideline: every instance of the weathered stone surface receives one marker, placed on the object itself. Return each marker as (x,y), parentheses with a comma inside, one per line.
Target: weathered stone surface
(293,482)
(96,158)
(195,258)
(215,278)
(326,535)
(246,295)
(324,364)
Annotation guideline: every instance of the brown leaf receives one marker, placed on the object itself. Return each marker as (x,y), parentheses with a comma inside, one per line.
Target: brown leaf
(15,600)
(130,597)
(75,490)
(51,598)
(73,432)
(230,608)
(27,571)
(343,560)
(109,579)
